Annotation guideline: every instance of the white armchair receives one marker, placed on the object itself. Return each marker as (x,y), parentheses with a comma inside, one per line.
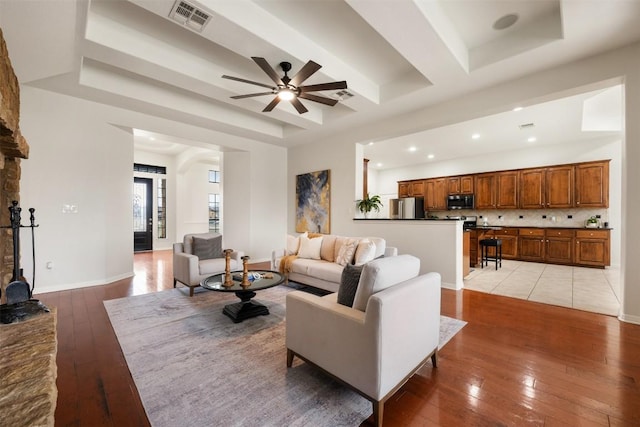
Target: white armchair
(377,350)
(190,270)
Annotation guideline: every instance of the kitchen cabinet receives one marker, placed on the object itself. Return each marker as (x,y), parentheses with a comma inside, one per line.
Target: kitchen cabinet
(509,237)
(435,193)
(531,244)
(592,248)
(550,187)
(411,188)
(592,184)
(466,253)
(497,190)
(559,246)
(461,184)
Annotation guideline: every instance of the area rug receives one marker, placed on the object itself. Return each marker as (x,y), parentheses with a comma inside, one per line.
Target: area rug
(193,366)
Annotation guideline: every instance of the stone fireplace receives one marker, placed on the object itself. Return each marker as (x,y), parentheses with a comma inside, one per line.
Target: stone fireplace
(13,148)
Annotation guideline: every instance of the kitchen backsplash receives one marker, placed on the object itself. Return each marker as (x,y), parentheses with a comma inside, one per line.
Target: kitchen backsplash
(532,218)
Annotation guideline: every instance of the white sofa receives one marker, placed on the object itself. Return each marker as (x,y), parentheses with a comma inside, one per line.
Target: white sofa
(189,270)
(379,343)
(324,272)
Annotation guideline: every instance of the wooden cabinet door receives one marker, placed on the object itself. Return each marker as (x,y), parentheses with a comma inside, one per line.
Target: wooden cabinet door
(440,193)
(466,184)
(592,185)
(429,194)
(454,185)
(532,188)
(509,237)
(559,187)
(531,244)
(485,191)
(592,248)
(403,189)
(560,244)
(417,189)
(507,190)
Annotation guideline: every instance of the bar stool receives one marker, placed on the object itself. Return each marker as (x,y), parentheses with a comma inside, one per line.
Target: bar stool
(495,243)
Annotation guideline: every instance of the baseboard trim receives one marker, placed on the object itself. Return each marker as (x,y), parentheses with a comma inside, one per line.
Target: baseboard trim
(627,318)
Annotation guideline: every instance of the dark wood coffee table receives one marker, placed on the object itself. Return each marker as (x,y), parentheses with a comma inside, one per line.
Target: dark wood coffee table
(246,308)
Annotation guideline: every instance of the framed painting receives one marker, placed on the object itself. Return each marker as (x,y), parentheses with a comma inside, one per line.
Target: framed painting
(313,202)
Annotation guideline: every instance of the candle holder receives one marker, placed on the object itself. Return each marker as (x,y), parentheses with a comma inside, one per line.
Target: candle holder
(245,272)
(227,260)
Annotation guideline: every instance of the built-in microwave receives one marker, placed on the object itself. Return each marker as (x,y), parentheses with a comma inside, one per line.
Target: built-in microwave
(460,201)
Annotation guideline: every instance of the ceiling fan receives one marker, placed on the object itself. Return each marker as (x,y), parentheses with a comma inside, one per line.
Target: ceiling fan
(289,89)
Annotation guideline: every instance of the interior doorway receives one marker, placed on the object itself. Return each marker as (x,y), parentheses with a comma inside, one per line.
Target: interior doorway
(142,214)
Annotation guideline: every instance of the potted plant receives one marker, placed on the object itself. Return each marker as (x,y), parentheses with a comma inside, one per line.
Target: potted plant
(592,222)
(368,203)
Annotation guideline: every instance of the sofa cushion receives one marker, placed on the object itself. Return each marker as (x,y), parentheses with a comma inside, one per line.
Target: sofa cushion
(301,265)
(207,247)
(327,250)
(346,252)
(324,270)
(381,245)
(365,252)
(382,273)
(349,284)
(215,265)
(293,244)
(310,248)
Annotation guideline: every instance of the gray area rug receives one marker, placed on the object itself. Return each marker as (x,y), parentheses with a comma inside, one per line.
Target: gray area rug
(194,367)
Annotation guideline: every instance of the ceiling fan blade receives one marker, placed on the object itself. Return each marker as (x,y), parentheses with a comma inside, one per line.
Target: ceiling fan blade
(301,108)
(324,86)
(320,99)
(251,95)
(262,63)
(305,72)
(238,79)
(271,105)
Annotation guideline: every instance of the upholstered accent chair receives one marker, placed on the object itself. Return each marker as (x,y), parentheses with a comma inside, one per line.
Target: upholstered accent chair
(198,257)
(376,345)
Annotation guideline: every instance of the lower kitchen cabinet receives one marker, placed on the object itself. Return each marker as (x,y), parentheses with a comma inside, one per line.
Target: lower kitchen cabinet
(531,243)
(592,248)
(559,246)
(509,237)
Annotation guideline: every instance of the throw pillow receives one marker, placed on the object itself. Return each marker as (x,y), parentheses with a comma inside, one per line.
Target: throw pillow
(293,243)
(365,252)
(346,252)
(207,247)
(349,284)
(327,251)
(309,248)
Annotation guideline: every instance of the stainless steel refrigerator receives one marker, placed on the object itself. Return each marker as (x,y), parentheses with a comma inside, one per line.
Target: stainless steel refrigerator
(406,208)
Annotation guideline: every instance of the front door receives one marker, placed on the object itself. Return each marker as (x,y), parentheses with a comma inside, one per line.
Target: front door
(142,214)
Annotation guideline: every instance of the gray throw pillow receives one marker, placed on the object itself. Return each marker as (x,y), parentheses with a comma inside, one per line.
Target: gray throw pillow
(207,248)
(349,284)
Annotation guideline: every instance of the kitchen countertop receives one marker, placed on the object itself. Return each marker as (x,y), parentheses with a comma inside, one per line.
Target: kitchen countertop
(485,227)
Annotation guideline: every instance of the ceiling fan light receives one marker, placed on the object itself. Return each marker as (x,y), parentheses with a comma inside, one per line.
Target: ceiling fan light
(286,95)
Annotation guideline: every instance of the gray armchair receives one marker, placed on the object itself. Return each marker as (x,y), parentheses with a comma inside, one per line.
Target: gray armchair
(196,260)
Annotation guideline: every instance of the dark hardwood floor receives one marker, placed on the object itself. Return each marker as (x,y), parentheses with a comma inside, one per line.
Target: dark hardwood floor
(515,363)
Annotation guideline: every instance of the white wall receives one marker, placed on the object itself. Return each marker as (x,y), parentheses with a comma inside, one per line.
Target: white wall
(76,158)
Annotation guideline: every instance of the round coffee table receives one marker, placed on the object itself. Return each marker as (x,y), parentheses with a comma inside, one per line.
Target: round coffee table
(246,308)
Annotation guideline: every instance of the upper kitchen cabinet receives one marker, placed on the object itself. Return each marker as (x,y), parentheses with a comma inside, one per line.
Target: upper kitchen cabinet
(592,185)
(461,184)
(546,187)
(497,190)
(435,193)
(411,188)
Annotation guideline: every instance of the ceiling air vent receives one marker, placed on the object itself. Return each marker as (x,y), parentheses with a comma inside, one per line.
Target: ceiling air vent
(342,95)
(188,14)
(526,126)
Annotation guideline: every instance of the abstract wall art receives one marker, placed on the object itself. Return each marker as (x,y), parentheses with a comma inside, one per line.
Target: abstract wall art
(313,202)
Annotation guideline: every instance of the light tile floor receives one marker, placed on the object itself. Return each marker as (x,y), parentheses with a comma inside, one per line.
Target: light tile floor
(588,289)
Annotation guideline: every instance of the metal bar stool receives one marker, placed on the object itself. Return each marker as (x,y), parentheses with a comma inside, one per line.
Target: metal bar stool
(495,243)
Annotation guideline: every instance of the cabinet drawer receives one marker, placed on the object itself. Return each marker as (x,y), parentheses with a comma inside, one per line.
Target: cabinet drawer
(592,234)
(506,232)
(553,232)
(532,232)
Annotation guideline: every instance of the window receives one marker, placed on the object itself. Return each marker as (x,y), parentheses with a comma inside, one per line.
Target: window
(214,177)
(139,167)
(214,213)
(162,208)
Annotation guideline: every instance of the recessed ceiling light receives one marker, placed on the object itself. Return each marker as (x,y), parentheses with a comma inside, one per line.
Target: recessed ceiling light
(379,165)
(531,139)
(430,156)
(505,21)
(412,149)
(152,138)
(475,136)
(517,109)
(371,143)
